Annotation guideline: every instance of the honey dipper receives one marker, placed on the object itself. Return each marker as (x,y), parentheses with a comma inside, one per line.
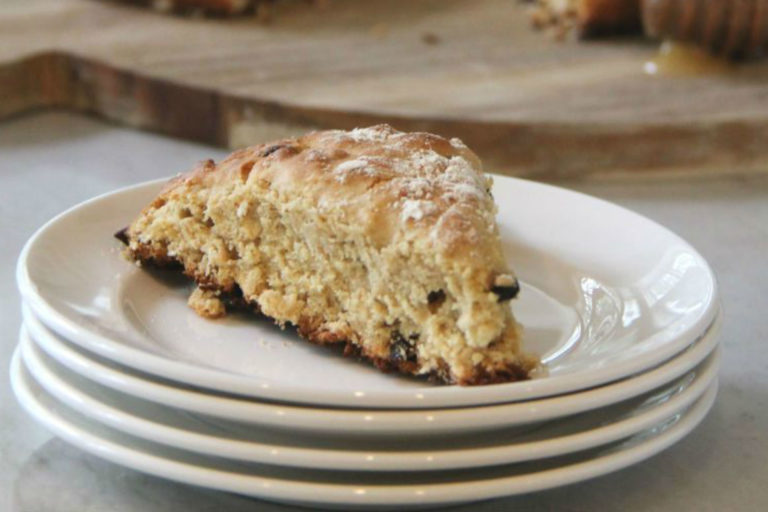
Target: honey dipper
(735,29)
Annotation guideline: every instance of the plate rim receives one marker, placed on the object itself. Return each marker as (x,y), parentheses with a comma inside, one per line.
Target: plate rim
(350,494)
(108,412)
(418,398)
(367,421)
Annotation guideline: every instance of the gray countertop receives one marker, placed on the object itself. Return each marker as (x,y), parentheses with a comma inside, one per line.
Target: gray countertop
(51,161)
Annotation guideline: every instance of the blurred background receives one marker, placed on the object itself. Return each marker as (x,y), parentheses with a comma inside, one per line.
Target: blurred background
(551,88)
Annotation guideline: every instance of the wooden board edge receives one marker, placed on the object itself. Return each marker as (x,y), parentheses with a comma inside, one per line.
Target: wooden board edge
(546,150)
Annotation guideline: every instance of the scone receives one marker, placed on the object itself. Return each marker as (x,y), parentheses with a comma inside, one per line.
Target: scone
(383,241)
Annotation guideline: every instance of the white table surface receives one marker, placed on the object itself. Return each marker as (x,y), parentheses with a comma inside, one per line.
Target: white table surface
(51,161)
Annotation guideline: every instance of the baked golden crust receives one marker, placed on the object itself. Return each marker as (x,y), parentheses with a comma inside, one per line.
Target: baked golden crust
(381,240)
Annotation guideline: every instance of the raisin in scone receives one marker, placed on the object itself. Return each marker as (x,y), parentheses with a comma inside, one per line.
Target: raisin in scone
(377,239)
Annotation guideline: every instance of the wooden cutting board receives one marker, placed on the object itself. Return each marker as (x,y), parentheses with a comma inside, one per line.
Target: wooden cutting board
(468,68)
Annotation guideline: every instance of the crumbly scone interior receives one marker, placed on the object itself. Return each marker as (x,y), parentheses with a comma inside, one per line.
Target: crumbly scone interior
(417,300)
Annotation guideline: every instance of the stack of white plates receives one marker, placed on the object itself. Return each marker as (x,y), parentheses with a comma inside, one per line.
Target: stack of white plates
(624,313)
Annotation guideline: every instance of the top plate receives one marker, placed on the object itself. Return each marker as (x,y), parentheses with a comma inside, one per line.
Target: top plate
(605,294)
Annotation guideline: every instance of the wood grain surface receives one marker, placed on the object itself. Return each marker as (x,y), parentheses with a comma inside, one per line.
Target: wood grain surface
(468,68)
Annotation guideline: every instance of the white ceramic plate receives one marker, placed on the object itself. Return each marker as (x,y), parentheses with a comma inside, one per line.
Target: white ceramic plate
(360,422)
(174,428)
(341,488)
(605,294)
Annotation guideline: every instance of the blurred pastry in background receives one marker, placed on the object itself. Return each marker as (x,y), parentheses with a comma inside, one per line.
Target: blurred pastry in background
(735,29)
(587,18)
(262,9)
(220,7)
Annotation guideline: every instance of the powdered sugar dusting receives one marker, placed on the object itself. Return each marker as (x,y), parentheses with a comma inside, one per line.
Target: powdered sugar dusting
(417,188)
(458,143)
(314,155)
(460,184)
(242,209)
(459,190)
(422,177)
(432,182)
(376,133)
(361,166)
(350,165)
(416,209)
(428,161)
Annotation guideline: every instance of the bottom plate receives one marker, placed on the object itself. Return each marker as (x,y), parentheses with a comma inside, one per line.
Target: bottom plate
(347,489)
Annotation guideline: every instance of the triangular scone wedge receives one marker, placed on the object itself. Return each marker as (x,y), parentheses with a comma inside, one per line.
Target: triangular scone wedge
(382,240)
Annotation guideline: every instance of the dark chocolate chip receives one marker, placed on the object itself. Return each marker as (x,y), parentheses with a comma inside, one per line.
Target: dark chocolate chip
(435,299)
(506,292)
(401,349)
(234,299)
(122,235)
(436,296)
